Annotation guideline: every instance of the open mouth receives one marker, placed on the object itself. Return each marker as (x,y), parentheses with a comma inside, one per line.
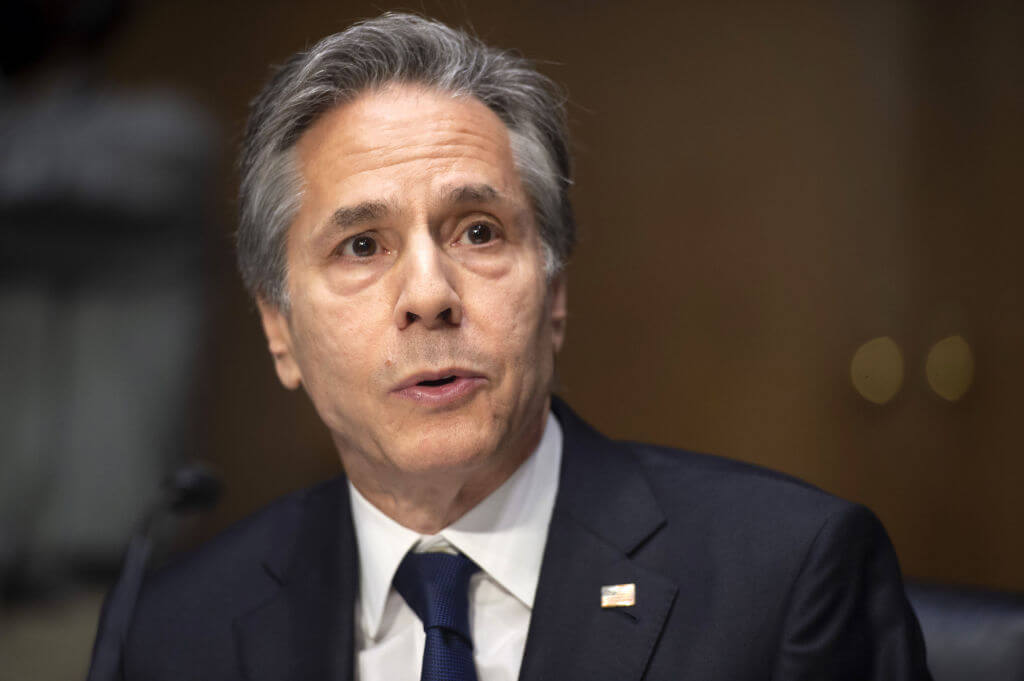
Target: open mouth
(441,381)
(443,392)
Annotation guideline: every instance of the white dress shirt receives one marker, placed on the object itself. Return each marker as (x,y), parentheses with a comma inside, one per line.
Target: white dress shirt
(504,534)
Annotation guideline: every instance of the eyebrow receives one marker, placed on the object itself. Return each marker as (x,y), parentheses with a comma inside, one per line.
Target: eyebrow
(369,211)
(473,193)
(361,213)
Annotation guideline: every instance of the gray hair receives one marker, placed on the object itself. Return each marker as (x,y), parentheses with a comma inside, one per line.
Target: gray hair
(395,48)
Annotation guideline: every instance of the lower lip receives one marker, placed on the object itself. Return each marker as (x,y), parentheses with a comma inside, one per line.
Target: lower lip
(442,395)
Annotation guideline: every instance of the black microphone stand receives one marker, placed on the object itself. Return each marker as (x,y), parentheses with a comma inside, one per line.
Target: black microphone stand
(191,488)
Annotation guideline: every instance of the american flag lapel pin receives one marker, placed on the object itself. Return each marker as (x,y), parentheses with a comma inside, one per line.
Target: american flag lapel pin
(618,595)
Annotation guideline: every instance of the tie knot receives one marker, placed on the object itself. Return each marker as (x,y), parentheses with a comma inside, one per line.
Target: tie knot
(436,587)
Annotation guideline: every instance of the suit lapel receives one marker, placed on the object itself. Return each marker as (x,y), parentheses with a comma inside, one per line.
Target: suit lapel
(604,511)
(305,630)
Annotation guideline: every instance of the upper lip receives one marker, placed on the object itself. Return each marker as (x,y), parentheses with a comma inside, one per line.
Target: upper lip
(436,376)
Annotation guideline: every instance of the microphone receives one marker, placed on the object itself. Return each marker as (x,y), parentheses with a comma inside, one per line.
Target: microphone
(190,488)
(193,488)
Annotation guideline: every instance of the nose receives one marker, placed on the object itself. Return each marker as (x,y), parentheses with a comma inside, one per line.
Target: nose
(428,295)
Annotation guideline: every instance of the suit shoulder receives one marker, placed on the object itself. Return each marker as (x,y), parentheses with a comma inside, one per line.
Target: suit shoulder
(757,527)
(187,606)
(732,489)
(810,578)
(243,544)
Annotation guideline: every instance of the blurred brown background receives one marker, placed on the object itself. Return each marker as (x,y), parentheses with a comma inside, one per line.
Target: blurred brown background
(762,188)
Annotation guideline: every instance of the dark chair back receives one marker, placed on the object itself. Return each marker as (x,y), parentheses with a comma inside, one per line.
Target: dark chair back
(971,634)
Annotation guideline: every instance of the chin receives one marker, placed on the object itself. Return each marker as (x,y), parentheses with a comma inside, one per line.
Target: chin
(435,457)
(455,444)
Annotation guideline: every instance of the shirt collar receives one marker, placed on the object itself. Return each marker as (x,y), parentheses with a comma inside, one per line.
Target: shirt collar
(504,534)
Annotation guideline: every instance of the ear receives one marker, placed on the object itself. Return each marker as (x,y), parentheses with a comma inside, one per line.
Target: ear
(559,301)
(279,341)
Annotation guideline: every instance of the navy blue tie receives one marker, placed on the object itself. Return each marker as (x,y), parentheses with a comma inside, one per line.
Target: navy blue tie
(436,587)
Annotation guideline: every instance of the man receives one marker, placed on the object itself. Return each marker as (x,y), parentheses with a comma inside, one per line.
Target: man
(404,231)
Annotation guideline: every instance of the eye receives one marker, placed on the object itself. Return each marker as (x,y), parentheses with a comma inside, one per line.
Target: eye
(361,246)
(479,233)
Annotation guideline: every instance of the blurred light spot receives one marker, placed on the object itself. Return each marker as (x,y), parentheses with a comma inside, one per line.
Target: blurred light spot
(950,367)
(877,370)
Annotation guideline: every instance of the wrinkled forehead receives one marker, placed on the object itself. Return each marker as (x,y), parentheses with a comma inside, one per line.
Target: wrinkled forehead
(403,138)
(392,117)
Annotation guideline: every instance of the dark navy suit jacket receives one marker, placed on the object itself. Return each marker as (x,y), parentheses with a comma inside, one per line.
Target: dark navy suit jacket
(740,573)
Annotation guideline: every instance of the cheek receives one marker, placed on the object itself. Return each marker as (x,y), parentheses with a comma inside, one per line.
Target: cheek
(337,350)
(516,323)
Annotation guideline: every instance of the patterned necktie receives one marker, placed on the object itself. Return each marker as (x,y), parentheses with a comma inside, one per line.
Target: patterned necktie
(436,587)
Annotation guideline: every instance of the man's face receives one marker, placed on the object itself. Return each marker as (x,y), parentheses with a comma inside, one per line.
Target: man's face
(421,322)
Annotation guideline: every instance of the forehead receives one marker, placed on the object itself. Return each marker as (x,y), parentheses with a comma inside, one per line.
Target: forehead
(386,139)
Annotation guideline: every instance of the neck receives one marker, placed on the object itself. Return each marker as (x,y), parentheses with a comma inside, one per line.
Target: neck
(429,502)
